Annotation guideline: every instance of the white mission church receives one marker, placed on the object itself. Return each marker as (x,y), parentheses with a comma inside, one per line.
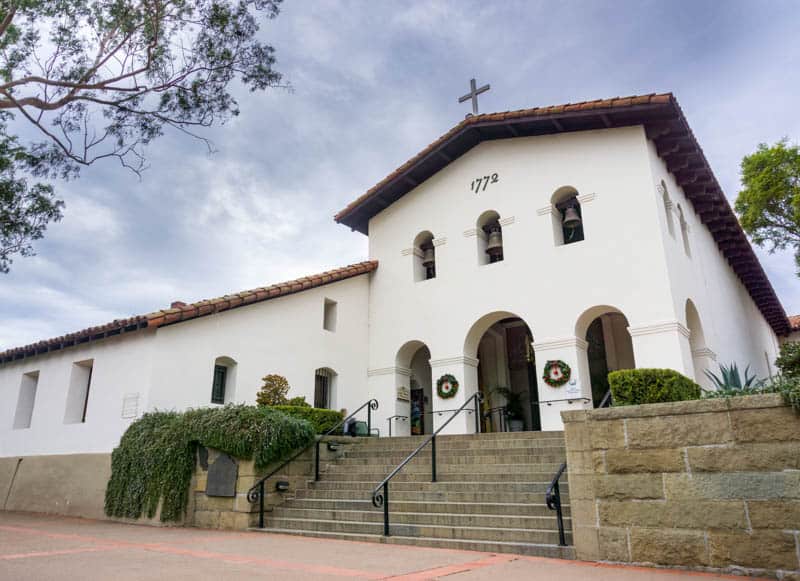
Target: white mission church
(593,234)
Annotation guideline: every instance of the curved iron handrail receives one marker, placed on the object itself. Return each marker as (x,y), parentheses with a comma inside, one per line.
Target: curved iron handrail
(256,492)
(607,400)
(392,418)
(552,498)
(380,494)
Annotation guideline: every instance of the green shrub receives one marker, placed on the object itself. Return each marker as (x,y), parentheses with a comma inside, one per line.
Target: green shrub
(299,401)
(638,386)
(156,455)
(730,379)
(273,391)
(789,359)
(321,419)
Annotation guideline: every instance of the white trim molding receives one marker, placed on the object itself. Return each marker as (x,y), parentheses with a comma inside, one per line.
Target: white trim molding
(586,198)
(406,251)
(458,360)
(507,221)
(549,209)
(564,343)
(389,371)
(470,232)
(439,241)
(704,352)
(656,328)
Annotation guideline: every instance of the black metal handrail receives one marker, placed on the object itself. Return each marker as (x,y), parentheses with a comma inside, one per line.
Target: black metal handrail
(606,401)
(569,400)
(553,499)
(380,494)
(392,418)
(256,492)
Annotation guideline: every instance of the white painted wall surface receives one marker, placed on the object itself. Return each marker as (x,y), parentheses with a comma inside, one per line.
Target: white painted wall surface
(733,327)
(121,366)
(283,335)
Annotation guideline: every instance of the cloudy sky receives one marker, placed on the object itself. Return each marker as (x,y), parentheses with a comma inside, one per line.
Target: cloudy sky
(373,82)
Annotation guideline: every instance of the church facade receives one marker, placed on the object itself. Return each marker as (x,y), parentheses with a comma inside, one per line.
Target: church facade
(519,247)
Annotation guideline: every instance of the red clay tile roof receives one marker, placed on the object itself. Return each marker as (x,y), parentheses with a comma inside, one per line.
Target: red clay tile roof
(190,311)
(794,322)
(664,123)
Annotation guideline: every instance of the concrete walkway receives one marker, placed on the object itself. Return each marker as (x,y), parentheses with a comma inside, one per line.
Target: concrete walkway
(41,547)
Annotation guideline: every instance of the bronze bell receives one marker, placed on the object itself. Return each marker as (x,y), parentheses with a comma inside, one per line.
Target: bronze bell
(427,256)
(571,218)
(495,244)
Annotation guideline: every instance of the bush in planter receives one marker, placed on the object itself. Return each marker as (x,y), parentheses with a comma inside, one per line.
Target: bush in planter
(638,386)
(789,359)
(321,419)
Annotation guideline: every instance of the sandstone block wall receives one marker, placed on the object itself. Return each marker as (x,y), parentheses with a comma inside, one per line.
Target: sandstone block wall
(704,484)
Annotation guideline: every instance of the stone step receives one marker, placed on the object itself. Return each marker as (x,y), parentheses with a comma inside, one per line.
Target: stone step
(441,443)
(441,495)
(495,508)
(427,486)
(455,519)
(493,456)
(507,534)
(441,476)
(443,468)
(483,437)
(528,549)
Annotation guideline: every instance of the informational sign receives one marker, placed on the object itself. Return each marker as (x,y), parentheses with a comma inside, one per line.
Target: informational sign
(403,393)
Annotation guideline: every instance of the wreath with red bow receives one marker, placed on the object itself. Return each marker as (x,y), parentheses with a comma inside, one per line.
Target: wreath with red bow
(556,373)
(446,386)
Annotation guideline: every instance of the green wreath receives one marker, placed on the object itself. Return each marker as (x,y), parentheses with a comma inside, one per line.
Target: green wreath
(446,386)
(563,374)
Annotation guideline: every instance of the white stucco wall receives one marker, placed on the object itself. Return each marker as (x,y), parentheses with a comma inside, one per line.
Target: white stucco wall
(733,327)
(121,366)
(283,335)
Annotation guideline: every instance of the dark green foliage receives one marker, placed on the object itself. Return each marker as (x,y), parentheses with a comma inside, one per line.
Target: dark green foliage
(789,359)
(299,401)
(273,391)
(769,204)
(729,378)
(640,386)
(787,386)
(156,455)
(322,420)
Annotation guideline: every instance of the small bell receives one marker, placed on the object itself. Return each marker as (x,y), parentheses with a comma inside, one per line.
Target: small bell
(428,257)
(494,246)
(571,218)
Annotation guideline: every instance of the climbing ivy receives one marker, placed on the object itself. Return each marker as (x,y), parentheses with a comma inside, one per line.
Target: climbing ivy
(156,455)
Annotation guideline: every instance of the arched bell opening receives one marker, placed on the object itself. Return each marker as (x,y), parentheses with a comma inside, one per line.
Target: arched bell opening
(490,238)
(567,216)
(424,256)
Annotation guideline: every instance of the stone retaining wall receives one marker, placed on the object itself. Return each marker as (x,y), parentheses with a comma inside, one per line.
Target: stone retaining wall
(704,484)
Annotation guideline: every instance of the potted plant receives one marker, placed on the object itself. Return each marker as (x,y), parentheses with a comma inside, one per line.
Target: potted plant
(514,409)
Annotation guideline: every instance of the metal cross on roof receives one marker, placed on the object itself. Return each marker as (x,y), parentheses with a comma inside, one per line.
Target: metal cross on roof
(473,95)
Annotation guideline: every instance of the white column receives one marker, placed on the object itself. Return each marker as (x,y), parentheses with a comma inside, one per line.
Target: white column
(388,385)
(704,358)
(465,370)
(663,345)
(572,351)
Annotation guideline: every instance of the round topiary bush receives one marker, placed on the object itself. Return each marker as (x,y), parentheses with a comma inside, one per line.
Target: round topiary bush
(639,386)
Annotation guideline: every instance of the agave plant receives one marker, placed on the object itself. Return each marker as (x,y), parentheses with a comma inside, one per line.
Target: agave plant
(731,380)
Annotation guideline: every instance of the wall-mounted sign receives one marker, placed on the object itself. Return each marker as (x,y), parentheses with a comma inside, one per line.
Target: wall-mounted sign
(403,393)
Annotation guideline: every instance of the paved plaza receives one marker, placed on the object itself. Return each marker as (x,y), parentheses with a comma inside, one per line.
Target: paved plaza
(42,547)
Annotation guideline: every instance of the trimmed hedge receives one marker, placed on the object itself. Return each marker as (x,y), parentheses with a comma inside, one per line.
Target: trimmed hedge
(156,455)
(638,386)
(322,420)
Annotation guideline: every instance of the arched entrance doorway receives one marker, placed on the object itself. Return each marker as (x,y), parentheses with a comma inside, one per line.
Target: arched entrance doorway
(415,357)
(609,346)
(503,345)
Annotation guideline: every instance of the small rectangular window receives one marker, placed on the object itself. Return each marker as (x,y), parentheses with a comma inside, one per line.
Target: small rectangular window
(26,400)
(329,317)
(78,393)
(218,388)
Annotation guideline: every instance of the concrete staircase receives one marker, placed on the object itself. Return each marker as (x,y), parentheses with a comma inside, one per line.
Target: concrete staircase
(489,495)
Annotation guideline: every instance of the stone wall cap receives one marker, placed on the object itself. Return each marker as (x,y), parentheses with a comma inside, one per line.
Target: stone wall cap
(572,416)
(700,406)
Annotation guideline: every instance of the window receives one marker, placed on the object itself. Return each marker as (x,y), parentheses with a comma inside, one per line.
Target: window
(684,231)
(662,188)
(329,316)
(78,393)
(218,387)
(490,238)
(324,380)
(424,257)
(567,216)
(26,400)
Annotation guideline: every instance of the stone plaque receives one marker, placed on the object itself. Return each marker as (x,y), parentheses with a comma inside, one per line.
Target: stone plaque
(403,393)
(222,476)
